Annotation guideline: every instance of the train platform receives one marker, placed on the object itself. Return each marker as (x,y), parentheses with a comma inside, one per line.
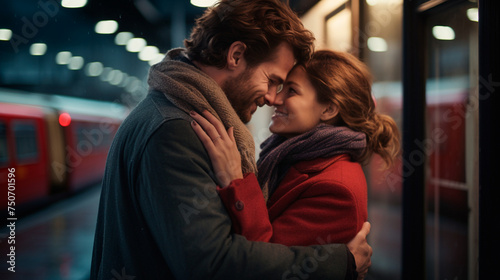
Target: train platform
(53,243)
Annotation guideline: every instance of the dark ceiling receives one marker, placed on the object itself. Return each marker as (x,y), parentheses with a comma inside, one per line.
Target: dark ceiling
(162,23)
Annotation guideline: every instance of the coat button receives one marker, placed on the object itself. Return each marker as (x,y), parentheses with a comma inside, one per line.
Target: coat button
(239,205)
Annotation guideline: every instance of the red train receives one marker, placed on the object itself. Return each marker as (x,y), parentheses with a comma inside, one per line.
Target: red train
(51,146)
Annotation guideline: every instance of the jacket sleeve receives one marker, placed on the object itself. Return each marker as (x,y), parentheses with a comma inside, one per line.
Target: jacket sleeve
(247,208)
(326,210)
(178,199)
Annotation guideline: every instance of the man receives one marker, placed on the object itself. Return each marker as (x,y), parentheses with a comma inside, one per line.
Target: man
(160,216)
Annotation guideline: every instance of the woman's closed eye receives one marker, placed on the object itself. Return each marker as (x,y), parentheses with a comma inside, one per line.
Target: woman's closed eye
(291,91)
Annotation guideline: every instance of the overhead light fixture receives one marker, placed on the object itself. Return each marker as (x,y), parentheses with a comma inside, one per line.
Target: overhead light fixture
(105,74)
(106,27)
(75,63)
(38,49)
(127,81)
(442,32)
(5,34)
(122,38)
(157,59)
(377,44)
(124,80)
(94,69)
(203,3)
(136,44)
(63,58)
(73,3)
(115,77)
(148,53)
(133,85)
(473,14)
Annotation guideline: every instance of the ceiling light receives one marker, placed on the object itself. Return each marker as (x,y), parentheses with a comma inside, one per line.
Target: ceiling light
(158,58)
(148,53)
(122,38)
(116,77)
(5,34)
(38,49)
(75,63)
(124,80)
(203,3)
(105,74)
(377,44)
(62,58)
(106,27)
(127,81)
(136,44)
(133,85)
(73,3)
(94,69)
(443,32)
(473,14)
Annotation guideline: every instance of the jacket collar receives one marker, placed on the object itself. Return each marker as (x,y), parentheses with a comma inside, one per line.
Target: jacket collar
(319,164)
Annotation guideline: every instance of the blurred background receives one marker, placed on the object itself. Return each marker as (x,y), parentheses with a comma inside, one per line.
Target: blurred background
(71,70)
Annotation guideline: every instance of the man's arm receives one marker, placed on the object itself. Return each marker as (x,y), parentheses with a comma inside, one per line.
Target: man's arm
(193,230)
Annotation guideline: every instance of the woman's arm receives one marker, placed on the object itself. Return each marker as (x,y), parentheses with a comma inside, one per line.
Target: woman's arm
(240,194)
(247,208)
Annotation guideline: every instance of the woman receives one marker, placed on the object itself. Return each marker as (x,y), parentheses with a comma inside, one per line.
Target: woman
(324,127)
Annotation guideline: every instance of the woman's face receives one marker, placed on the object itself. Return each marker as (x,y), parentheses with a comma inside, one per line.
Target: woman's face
(297,109)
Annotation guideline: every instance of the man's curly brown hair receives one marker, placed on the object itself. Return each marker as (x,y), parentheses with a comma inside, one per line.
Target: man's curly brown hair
(261,24)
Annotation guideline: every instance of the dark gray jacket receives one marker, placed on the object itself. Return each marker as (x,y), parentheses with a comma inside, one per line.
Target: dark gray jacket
(161,218)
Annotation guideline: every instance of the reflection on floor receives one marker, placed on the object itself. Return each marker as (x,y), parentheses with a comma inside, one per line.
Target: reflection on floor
(54,243)
(446,245)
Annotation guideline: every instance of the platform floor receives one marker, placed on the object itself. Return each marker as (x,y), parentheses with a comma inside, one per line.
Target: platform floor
(55,242)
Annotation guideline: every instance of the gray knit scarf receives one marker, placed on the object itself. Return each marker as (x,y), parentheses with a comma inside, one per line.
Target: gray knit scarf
(279,153)
(189,88)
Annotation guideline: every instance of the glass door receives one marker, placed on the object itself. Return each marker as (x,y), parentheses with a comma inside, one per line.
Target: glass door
(451,143)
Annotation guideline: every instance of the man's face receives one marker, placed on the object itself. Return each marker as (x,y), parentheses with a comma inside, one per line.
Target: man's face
(258,85)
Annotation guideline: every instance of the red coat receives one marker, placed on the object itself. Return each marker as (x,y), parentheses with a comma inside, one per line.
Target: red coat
(319,201)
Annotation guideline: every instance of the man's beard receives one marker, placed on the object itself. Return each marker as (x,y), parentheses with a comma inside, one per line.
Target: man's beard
(239,92)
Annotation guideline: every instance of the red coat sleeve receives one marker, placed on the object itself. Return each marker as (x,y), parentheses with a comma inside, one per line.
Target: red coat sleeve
(247,208)
(323,213)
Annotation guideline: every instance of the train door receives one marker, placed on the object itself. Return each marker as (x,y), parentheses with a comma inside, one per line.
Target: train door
(443,89)
(451,141)
(22,150)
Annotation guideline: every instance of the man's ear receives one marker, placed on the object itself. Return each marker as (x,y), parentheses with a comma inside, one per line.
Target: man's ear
(329,112)
(235,55)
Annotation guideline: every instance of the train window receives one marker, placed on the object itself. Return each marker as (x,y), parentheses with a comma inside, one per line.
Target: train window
(4,151)
(26,142)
